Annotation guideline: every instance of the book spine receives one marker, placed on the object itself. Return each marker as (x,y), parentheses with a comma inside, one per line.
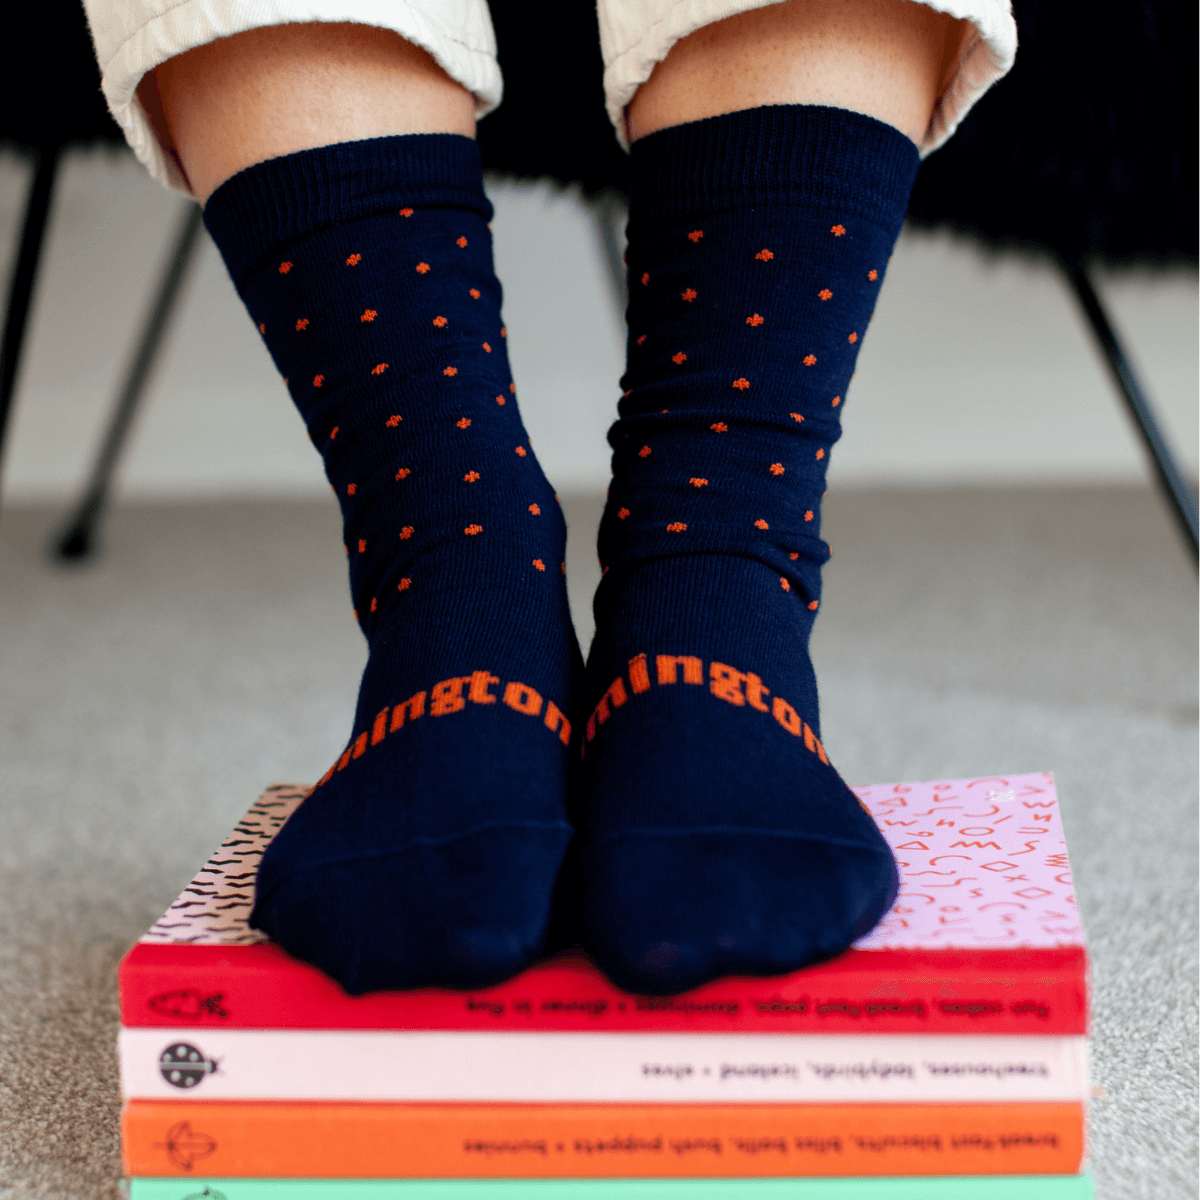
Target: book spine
(320,1141)
(978,1187)
(260,987)
(636,1068)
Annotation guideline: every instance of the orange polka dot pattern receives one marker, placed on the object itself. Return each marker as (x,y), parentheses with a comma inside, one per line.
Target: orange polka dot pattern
(770,382)
(386,321)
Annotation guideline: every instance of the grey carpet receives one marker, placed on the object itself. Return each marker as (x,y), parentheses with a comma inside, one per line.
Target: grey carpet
(147,699)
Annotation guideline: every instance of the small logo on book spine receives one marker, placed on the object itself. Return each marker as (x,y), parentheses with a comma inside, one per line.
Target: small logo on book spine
(183,1065)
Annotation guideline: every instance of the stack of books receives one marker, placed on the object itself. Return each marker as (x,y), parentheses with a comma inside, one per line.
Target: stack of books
(942,1057)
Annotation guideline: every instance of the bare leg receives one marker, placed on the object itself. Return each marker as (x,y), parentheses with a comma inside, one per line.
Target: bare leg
(889,59)
(272,91)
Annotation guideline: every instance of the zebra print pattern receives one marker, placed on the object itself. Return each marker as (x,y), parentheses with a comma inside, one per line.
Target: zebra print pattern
(214,908)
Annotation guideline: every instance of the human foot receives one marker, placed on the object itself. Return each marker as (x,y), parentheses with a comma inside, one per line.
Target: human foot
(715,836)
(428,853)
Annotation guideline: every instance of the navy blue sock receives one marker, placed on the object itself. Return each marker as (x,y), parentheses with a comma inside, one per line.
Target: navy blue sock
(428,854)
(715,836)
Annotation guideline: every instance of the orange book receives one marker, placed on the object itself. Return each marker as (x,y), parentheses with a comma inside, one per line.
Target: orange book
(309,1140)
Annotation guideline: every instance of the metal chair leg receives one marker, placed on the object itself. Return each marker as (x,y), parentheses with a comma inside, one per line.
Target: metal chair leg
(1175,486)
(611,210)
(78,536)
(24,277)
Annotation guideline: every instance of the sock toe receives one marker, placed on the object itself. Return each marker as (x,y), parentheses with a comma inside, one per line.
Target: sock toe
(387,920)
(741,903)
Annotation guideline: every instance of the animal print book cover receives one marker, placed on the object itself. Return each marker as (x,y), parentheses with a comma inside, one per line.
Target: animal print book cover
(985,936)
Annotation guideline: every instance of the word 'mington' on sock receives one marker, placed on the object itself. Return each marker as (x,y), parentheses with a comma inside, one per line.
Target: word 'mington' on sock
(428,853)
(715,835)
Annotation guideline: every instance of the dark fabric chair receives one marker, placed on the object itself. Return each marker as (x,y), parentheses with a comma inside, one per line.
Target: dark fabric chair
(51,101)
(1086,154)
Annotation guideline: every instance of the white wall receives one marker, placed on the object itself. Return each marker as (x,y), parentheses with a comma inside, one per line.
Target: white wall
(974,371)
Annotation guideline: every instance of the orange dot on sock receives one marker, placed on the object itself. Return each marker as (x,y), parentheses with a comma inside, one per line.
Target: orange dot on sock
(362,545)
(824,294)
(301,324)
(403,473)
(450,371)
(333,432)
(487,347)
(404,585)
(470,477)
(809,359)
(688,294)
(622,513)
(462,241)
(512,387)
(808,516)
(676,527)
(644,452)
(838,230)
(318,380)
(393,420)
(697,482)
(741,384)
(368,315)
(787,587)
(777,468)
(852,338)
(472,530)
(284,268)
(406,533)
(679,358)
(379,368)
(645,278)
(406,212)
(354,260)
(440,322)
(872,275)
(796,416)
(812,606)
(503,331)
(794,555)
(754,319)
(537,562)
(695,235)
(719,427)
(639,341)
(521,451)
(474,293)
(262,328)
(836,401)
(761,524)
(764,256)
(500,401)
(351,488)
(374,604)
(423,268)
(820,455)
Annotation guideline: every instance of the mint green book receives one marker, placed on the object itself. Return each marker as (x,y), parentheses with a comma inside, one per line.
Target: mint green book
(973,1187)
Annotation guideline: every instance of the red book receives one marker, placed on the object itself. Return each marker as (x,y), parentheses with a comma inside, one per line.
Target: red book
(984,938)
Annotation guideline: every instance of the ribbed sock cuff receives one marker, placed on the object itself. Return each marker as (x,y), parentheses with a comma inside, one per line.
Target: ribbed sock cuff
(275,201)
(777,154)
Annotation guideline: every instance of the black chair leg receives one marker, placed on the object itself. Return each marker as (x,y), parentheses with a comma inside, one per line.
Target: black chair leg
(1176,488)
(78,537)
(24,277)
(610,210)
